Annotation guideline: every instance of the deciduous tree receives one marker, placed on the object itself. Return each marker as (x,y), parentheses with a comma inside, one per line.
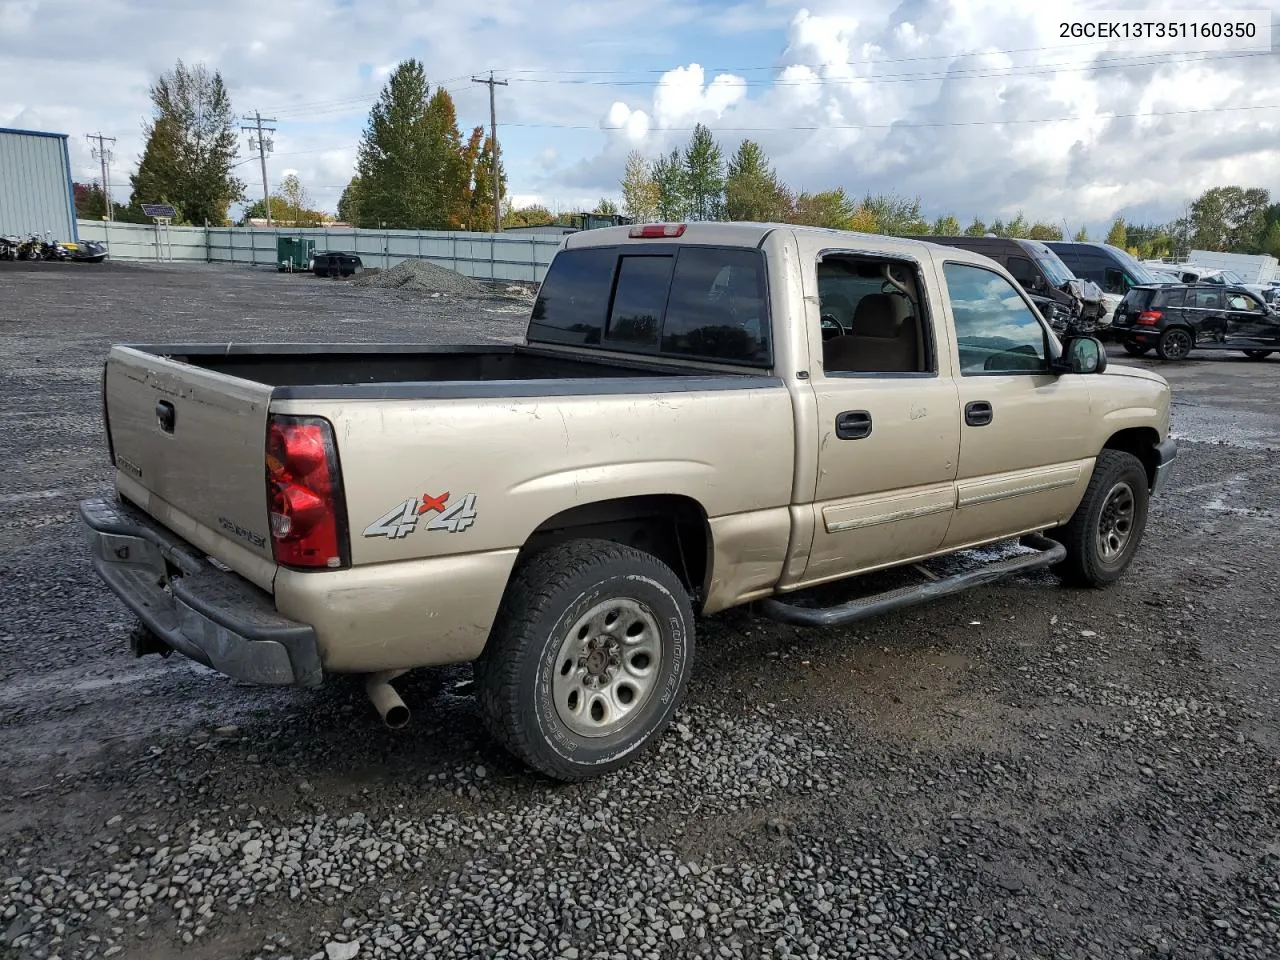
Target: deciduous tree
(190,148)
(641,195)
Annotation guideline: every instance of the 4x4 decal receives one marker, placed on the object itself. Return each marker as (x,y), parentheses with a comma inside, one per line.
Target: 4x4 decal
(402,519)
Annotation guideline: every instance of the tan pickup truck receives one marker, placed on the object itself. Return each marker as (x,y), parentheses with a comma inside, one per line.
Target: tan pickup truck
(700,416)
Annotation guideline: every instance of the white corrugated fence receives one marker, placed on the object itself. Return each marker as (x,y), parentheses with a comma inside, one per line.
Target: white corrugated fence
(494,256)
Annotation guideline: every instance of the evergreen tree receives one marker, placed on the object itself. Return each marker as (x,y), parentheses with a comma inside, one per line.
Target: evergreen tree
(190,149)
(1081,235)
(669,179)
(830,209)
(349,202)
(411,164)
(703,176)
(976,229)
(752,190)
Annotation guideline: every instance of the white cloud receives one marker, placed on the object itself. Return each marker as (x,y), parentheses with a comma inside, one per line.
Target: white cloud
(913,96)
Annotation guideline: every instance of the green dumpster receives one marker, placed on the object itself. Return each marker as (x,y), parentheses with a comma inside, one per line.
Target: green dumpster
(294,253)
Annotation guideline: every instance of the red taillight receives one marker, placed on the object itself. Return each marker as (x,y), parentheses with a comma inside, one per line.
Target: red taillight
(655,231)
(308,523)
(1149,318)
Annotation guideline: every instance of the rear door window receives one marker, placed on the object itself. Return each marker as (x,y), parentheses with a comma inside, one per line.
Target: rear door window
(705,303)
(717,309)
(1206,298)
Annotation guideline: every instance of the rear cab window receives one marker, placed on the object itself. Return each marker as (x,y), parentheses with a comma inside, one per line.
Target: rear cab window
(685,301)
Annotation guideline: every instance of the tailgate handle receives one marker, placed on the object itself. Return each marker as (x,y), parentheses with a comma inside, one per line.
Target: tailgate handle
(165,415)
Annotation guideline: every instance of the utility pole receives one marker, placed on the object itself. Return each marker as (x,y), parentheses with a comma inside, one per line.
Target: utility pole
(104,156)
(262,144)
(493,137)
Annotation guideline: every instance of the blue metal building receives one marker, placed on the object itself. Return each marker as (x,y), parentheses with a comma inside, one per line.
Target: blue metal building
(36,192)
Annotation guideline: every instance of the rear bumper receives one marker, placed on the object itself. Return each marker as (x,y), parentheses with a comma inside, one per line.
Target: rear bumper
(1166,453)
(210,615)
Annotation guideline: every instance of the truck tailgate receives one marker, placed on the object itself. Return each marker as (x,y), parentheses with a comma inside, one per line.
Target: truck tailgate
(195,439)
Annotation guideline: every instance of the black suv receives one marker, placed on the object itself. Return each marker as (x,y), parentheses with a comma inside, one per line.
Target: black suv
(1177,319)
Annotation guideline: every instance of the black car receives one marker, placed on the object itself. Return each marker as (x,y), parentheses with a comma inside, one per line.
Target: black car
(335,263)
(1176,319)
(1062,298)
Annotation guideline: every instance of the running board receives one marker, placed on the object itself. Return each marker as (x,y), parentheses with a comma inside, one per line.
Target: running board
(1048,553)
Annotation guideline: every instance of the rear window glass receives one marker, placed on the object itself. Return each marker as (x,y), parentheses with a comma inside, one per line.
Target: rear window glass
(707,303)
(1206,299)
(638,299)
(1170,297)
(573,298)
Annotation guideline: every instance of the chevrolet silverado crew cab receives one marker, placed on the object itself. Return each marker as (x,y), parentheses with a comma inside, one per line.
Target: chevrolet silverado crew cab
(678,433)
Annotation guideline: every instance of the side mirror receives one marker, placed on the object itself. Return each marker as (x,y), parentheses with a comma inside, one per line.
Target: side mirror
(1084,355)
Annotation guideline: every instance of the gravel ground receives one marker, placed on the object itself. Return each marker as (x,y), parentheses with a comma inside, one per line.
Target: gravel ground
(1018,772)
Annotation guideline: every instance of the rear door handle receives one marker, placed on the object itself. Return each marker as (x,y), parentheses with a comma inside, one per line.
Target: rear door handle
(853,425)
(978,413)
(165,415)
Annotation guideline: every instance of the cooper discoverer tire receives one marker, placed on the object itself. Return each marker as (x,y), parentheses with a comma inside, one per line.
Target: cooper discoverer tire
(1104,533)
(588,660)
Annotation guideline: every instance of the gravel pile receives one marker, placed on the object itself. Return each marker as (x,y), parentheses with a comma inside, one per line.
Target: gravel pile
(420,276)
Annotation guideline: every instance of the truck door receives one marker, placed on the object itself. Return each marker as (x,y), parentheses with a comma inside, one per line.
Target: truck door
(888,424)
(1024,456)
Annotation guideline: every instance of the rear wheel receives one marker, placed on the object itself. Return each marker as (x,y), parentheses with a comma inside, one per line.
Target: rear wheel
(1135,349)
(1175,343)
(1103,534)
(1258,354)
(588,660)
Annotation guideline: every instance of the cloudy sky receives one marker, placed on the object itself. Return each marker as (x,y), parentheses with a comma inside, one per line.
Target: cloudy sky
(976,106)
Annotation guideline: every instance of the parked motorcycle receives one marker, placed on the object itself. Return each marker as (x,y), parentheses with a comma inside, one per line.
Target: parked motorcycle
(9,247)
(29,249)
(86,251)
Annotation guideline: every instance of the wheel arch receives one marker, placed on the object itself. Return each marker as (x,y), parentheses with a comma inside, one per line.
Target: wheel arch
(672,527)
(1142,443)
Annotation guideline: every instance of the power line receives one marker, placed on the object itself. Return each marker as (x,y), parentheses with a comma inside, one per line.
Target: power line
(945,123)
(493,136)
(262,143)
(1147,60)
(104,156)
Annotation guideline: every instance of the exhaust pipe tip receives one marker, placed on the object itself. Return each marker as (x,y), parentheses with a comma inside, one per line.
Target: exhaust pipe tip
(394,712)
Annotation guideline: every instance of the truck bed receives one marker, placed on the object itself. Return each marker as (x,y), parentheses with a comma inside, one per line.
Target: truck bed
(378,370)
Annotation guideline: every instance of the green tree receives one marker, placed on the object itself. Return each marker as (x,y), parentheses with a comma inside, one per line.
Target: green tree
(752,190)
(669,179)
(976,229)
(411,161)
(606,207)
(1230,219)
(190,148)
(830,208)
(1018,226)
(704,176)
(532,216)
(478,191)
(947,226)
(91,201)
(1081,235)
(896,215)
(1044,231)
(998,228)
(349,202)
(1271,242)
(1118,235)
(640,193)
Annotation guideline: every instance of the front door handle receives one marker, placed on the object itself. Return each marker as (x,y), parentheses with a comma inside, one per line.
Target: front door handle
(978,413)
(853,425)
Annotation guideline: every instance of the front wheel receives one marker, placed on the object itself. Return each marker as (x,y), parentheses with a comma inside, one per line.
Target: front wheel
(1175,343)
(588,660)
(1258,354)
(1103,534)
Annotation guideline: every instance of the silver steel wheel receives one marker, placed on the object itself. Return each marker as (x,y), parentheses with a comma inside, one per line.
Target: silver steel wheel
(607,667)
(1115,525)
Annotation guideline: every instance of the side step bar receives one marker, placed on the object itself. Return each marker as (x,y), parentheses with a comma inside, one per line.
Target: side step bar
(1049,553)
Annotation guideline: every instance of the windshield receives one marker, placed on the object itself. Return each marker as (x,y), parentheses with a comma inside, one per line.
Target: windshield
(1053,267)
(1136,270)
(1232,277)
